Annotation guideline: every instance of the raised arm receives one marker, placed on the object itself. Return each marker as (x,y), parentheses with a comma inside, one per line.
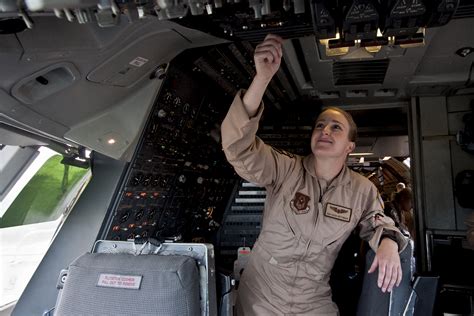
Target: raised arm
(267,59)
(251,158)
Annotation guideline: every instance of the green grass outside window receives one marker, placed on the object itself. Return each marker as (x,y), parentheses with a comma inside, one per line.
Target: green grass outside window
(39,200)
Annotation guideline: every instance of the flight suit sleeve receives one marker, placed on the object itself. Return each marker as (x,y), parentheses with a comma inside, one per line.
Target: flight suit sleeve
(375,225)
(251,158)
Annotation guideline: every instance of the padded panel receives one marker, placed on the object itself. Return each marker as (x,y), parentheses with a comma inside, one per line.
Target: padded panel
(373,302)
(169,286)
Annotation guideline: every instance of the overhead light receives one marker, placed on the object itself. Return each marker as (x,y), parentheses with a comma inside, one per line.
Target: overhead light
(407,162)
(325,41)
(361,154)
(386,158)
(373,49)
(464,51)
(361,160)
(331,52)
(112,141)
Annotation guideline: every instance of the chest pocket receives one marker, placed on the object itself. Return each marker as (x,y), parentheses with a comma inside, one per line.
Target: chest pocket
(334,222)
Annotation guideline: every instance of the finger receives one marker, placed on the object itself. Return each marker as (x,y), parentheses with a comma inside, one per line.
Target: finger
(274,53)
(381,278)
(276,48)
(275,37)
(387,279)
(272,41)
(400,275)
(264,56)
(374,265)
(393,279)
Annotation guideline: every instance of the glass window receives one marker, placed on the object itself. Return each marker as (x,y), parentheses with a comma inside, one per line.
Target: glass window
(43,193)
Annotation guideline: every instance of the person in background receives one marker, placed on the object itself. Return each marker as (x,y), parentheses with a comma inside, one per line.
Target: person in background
(400,186)
(402,212)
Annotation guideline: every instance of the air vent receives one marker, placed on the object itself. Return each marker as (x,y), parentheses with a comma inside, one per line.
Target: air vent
(328,95)
(357,93)
(464,10)
(385,93)
(359,72)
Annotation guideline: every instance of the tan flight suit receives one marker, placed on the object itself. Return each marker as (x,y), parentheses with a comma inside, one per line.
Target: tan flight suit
(302,230)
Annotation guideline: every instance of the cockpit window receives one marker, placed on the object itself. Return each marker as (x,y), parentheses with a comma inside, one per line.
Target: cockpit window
(32,208)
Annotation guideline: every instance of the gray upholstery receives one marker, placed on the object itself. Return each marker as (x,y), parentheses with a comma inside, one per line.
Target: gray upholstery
(373,302)
(169,286)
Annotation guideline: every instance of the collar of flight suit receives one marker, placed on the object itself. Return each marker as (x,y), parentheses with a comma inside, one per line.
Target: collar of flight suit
(344,177)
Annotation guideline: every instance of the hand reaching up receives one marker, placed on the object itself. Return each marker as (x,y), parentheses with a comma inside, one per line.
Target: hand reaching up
(267,57)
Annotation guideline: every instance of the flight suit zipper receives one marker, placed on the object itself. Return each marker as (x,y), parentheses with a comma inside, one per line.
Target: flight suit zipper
(321,201)
(300,259)
(320,206)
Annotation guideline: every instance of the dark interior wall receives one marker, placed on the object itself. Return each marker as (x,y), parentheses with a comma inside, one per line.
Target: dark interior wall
(458,107)
(442,159)
(437,159)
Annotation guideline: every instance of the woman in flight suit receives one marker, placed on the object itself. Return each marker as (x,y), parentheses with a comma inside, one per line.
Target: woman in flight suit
(313,203)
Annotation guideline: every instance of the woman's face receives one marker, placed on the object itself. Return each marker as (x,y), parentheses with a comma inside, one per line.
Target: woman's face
(406,205)
(330,137)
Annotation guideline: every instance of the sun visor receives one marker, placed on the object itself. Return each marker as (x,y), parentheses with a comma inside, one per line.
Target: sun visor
(138,59)
(112,132)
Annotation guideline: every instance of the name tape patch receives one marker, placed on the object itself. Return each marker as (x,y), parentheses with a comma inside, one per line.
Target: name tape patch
(338,212)
(131,282)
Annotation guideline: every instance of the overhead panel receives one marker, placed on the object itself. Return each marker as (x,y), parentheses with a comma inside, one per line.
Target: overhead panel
(464,10)
(137,60)
(360,72)
(46,82)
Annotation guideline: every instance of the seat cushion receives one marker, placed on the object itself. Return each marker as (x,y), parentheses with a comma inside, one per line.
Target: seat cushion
(124,284)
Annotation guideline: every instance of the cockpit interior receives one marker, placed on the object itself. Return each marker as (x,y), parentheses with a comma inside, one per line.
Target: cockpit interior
(130,95)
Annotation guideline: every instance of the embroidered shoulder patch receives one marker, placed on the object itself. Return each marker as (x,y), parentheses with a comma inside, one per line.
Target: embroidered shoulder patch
(284,152)
(338,212)
(299,204)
